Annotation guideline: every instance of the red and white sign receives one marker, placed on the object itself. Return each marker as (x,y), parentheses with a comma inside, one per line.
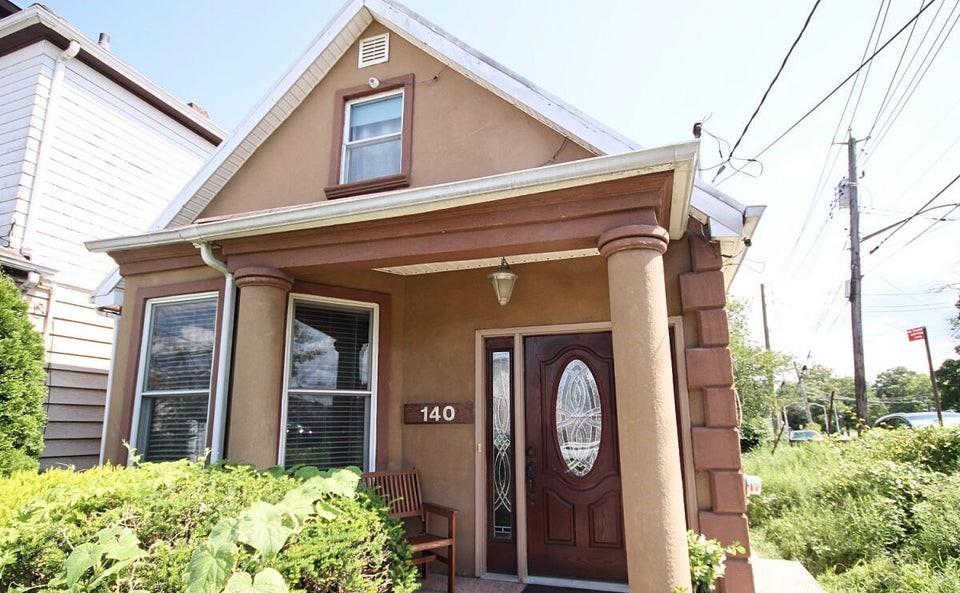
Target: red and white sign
(917,333)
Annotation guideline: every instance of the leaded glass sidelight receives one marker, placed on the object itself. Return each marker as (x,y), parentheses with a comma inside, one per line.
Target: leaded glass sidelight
(501,447)
(579,418)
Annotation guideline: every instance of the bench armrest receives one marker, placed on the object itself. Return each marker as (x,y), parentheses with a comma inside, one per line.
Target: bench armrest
(436,509)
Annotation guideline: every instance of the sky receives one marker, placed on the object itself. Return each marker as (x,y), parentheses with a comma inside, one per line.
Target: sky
(651,70)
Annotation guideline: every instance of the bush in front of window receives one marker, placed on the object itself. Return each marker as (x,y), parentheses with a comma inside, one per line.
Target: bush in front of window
(149,528)
(22,383)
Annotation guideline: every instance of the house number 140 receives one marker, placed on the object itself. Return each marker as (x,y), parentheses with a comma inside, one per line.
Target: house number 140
(438,414)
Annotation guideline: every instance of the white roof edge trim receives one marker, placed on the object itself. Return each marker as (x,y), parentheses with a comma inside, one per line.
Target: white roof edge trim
(422,199)
(260,110)
(488,73)
(40,15)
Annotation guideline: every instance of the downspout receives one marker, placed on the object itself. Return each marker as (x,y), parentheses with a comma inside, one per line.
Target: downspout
(46,138)
(224,350)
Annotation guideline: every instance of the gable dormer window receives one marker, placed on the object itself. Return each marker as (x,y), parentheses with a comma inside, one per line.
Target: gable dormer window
(372,138)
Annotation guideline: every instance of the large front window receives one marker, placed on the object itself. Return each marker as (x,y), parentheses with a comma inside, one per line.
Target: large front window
(173,390)
(329,406)
(372,136)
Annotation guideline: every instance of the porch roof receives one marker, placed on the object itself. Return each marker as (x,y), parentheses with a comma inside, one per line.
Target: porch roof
(681,159)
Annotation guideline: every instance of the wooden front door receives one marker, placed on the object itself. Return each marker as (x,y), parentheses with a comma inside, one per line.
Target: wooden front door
(574,505)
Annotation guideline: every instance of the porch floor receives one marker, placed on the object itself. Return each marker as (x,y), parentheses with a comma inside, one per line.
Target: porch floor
(437,583)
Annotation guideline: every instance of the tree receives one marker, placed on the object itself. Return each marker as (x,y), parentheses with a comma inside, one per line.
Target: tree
(755,372)
(909,389)
(22,383)
(948,382)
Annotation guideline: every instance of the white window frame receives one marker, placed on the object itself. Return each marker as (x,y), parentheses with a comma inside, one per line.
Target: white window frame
(145,333)
(374,310)
(346,130)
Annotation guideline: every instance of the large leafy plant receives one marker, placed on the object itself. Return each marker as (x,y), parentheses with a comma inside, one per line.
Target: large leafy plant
(264,528)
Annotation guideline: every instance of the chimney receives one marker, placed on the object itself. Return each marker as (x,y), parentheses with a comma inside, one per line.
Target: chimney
(104,41)
(196,107)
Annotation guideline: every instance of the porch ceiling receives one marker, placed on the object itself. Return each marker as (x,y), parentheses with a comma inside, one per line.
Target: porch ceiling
(488,262)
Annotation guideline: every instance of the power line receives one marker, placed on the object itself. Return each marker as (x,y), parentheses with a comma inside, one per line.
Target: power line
(837,87)
(866,75)
(918,212)
(911,86)
(906,46)
(766,93)
(822,177)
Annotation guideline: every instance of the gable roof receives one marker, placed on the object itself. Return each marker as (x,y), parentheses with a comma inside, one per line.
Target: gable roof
(345,28)
(324,52)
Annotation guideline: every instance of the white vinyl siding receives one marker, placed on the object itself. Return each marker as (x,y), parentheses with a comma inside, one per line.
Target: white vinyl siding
(113,163)
(174,381)
(24,88)
(330,386)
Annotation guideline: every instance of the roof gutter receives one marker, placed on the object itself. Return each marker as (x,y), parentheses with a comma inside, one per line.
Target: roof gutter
(679,158)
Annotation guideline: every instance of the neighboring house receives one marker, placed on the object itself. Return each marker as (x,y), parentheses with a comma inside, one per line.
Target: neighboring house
(88,147)
(322,293)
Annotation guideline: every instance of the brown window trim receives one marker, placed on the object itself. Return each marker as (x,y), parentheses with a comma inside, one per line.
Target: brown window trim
(335,189)
(381,299)
(132,378)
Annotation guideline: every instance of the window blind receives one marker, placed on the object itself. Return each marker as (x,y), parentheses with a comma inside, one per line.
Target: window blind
(175,388)
(328,390)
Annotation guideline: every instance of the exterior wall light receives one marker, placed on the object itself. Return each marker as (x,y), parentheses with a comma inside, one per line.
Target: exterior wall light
(503,282)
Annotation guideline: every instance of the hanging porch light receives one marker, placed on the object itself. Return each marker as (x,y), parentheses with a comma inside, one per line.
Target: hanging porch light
(503,281)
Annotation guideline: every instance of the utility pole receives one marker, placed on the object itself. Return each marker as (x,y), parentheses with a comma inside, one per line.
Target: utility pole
(803,392)
(856,312)
(763,305)
(775,420)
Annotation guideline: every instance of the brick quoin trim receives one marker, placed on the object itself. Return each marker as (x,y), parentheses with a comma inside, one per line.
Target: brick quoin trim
(716,446)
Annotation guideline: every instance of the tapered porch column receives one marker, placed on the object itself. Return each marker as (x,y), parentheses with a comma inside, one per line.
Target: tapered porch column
(653,513)
(257,387)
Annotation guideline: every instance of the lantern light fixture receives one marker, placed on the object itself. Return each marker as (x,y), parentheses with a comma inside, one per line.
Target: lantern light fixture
(503,281)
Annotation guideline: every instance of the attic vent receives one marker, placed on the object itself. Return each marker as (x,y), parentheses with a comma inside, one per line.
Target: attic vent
(374,50)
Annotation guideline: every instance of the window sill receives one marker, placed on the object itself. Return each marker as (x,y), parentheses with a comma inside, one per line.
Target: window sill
(367,186)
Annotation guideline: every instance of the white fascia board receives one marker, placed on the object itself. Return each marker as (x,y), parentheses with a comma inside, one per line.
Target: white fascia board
(40,15)
(721,208)
(508,85)
(107,286)
(261,110)
(422,199)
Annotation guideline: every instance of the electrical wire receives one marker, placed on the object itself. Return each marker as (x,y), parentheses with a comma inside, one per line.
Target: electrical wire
(917,213)
(866,75)
(912,87)
(824,171)
(766,93)
(840,85)
(906,46)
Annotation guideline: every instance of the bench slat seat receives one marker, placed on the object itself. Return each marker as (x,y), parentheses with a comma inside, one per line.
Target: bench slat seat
(400,490)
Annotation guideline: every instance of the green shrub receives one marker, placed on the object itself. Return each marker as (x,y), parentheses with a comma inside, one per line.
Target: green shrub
(889,574)
(171,509)
(753,433)
(839,534)
(938,521)
(22,383)
(707,561)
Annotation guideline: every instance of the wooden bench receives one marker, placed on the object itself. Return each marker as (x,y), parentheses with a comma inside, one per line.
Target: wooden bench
(400,490)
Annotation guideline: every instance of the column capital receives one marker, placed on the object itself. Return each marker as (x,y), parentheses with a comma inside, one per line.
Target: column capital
(634,236)
(263,276)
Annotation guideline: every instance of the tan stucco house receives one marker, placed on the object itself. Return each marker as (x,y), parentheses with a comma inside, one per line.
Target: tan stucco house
(322,292)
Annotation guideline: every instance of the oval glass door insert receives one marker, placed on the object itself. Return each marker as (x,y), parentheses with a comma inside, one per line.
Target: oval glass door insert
(579,418)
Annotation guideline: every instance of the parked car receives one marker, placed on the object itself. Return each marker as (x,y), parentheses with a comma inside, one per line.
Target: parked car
(916,419)
(804,436)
